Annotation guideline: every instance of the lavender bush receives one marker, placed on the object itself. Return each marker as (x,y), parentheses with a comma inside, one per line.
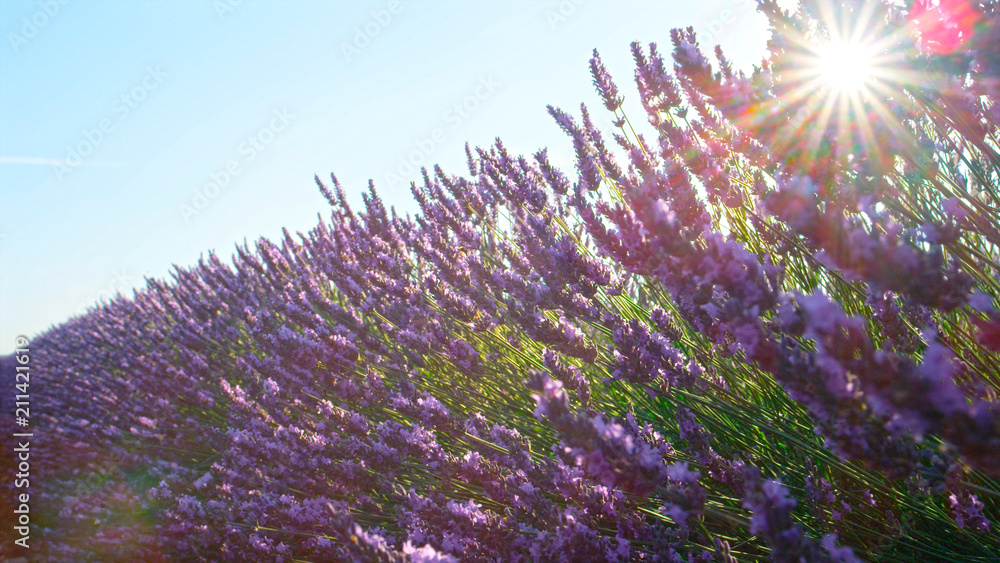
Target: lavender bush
(763,327)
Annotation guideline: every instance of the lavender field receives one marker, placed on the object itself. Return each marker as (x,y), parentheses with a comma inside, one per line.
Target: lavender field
(760,322)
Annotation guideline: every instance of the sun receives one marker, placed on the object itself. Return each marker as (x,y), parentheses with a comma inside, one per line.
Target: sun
(845,67)
(841,80)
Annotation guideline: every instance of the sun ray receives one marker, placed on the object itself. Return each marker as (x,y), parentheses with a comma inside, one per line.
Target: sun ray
(840,80)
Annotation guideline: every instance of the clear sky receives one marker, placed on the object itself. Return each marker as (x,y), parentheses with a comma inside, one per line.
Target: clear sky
(116,117)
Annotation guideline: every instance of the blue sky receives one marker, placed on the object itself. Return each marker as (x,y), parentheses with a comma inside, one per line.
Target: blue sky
(138,135)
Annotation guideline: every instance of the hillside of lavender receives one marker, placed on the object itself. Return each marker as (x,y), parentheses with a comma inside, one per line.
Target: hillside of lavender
(756,323)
